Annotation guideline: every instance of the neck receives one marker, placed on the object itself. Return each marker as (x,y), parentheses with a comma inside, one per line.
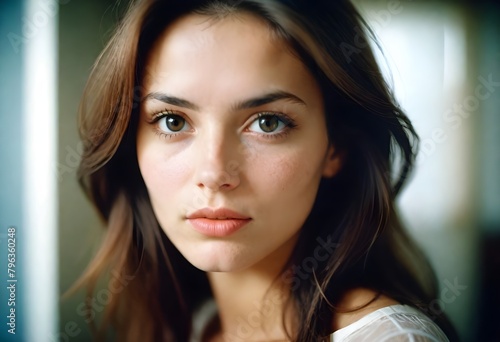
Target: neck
(252,302)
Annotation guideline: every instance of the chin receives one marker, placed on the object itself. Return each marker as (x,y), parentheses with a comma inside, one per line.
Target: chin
(217,258)
(217,265)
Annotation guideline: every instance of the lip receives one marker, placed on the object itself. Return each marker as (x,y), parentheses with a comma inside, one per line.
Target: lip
(217,214)
(217,222)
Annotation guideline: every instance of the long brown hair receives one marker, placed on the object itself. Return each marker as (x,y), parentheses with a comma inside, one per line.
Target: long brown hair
(354,211)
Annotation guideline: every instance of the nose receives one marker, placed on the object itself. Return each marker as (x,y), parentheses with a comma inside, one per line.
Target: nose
(218,168)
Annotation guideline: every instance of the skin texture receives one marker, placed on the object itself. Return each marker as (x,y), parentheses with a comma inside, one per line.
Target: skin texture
(223,158)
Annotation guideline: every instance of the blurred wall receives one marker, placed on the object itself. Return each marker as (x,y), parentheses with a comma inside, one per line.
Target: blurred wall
(28,186)
(84,27)
(444,59)
(11,153)
(425,48)
(487,161)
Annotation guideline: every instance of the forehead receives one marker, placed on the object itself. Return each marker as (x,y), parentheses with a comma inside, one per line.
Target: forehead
(194,35)
(197,31)
(239,50)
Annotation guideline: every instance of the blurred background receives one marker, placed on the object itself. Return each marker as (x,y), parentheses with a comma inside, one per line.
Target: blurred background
(444,63)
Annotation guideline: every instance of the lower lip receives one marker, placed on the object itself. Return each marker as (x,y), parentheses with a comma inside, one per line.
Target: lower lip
(217,228)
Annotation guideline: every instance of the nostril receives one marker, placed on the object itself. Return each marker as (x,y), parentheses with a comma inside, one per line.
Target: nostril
(223,181)
(208,185)
(217,169)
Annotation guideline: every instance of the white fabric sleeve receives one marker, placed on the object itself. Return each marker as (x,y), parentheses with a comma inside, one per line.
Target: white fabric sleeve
(396,323)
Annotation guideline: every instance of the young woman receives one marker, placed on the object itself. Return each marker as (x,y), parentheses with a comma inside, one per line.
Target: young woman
(245,156)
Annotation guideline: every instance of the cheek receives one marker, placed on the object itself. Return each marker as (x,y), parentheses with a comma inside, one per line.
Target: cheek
(292,175)
(163,171)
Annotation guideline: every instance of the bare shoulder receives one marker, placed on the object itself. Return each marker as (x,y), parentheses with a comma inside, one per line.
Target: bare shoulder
(357,303)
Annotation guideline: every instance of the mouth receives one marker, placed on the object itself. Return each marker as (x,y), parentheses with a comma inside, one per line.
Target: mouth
(217,222)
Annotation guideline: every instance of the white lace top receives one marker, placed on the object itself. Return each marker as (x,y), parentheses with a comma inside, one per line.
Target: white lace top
(395,323)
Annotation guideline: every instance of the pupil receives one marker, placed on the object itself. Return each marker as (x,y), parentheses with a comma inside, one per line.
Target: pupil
(175,123)
(269,123)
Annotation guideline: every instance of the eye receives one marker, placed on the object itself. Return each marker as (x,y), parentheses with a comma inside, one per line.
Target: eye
(172,123)
(269,123)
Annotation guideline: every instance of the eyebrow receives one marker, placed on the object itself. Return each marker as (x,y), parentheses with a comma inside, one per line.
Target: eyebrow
(246,104)
(268,98)
(168,99)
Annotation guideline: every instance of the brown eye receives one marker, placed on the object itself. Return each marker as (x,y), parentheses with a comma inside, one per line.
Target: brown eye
(269,123)
(175,123)
(172,123)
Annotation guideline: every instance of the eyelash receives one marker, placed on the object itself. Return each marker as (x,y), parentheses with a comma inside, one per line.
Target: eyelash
(285,119)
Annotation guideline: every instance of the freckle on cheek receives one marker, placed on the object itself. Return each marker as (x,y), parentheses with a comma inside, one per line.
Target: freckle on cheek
(283,171)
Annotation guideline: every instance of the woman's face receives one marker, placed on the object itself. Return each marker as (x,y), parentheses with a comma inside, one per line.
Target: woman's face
(233,123)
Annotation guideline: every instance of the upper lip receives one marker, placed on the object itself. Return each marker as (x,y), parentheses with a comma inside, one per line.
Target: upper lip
(217,214)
